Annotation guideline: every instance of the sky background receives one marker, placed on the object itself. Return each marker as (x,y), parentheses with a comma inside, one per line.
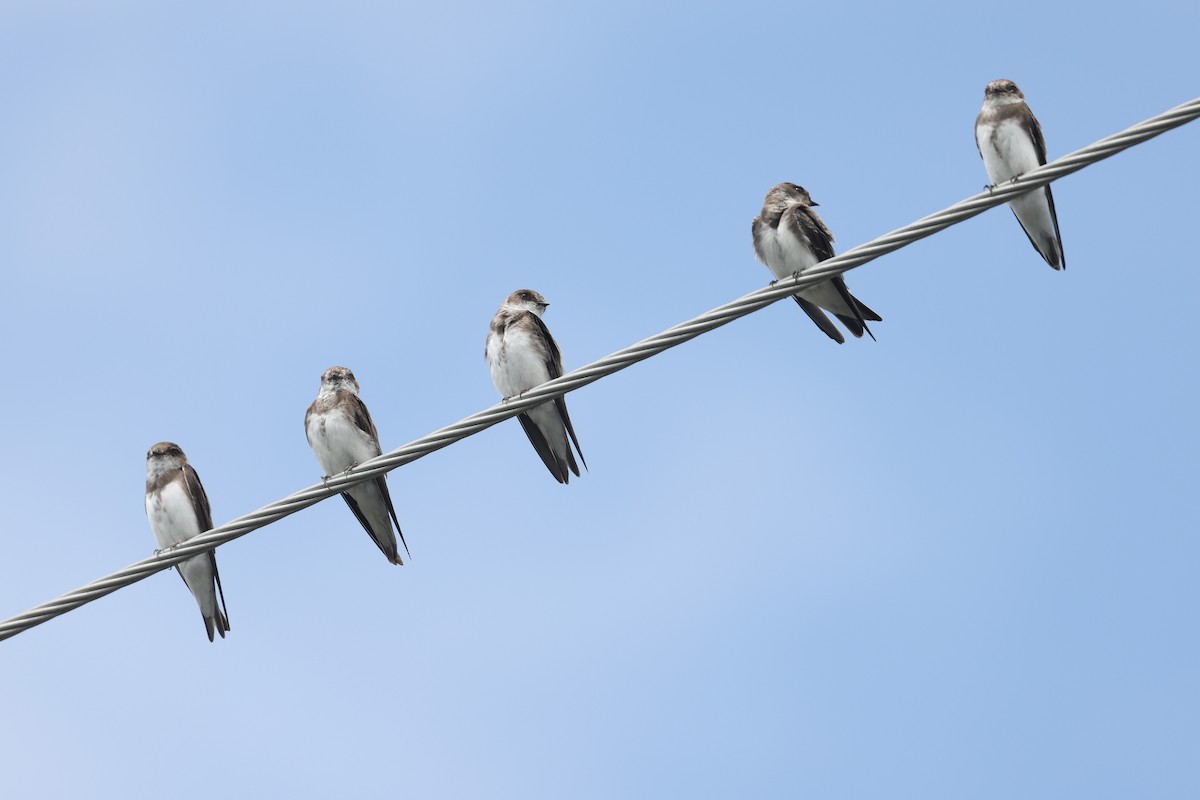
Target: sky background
(956,562)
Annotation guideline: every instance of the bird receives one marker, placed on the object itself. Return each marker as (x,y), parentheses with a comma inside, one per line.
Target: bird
(342,435)
(521,354)
(1010,142)
(789,238)
(178,509)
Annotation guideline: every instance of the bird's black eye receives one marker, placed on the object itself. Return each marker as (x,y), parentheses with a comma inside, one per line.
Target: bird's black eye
(1012,89)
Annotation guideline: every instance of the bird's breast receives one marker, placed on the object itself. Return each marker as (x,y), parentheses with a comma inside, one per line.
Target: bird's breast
(1007,151)
(517,362)
(338,443)
(172,516)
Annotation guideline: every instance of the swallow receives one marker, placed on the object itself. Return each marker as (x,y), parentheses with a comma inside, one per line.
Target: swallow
(522,354)
(789,238)
(178,509)
(1010,142)
(342,435)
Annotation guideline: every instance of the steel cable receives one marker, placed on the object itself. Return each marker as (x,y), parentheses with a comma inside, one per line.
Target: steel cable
(747,304)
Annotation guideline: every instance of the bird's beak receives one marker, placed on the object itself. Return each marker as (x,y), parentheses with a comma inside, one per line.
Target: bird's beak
(814,204)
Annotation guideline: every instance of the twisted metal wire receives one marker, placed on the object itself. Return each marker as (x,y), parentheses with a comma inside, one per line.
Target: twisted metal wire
(685,331)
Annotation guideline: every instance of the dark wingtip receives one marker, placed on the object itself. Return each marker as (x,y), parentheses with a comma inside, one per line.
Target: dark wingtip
(858,323)
(542,447)
(219,623)
(866,328)
(819,319)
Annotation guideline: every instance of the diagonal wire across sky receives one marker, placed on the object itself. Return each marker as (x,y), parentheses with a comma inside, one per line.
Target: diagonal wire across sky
(619,360)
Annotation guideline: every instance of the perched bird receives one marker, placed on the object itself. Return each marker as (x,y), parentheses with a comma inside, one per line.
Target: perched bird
(522,354)
(1010,141)
(342,435)
(178,510)
(789,238)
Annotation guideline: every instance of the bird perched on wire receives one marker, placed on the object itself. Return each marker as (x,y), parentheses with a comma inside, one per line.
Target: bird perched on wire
(342,435)
(178,509)
(789,238)
(522,354)
(1010,142)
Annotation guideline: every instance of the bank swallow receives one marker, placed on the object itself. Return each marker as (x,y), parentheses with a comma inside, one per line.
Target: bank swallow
(178,510)
(522,354)
(342,435)
(789,238)
(1010,141)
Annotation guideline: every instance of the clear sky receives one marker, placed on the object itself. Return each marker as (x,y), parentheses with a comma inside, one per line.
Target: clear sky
(956,562)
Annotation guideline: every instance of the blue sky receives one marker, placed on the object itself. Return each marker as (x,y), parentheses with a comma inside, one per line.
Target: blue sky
(958,561)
